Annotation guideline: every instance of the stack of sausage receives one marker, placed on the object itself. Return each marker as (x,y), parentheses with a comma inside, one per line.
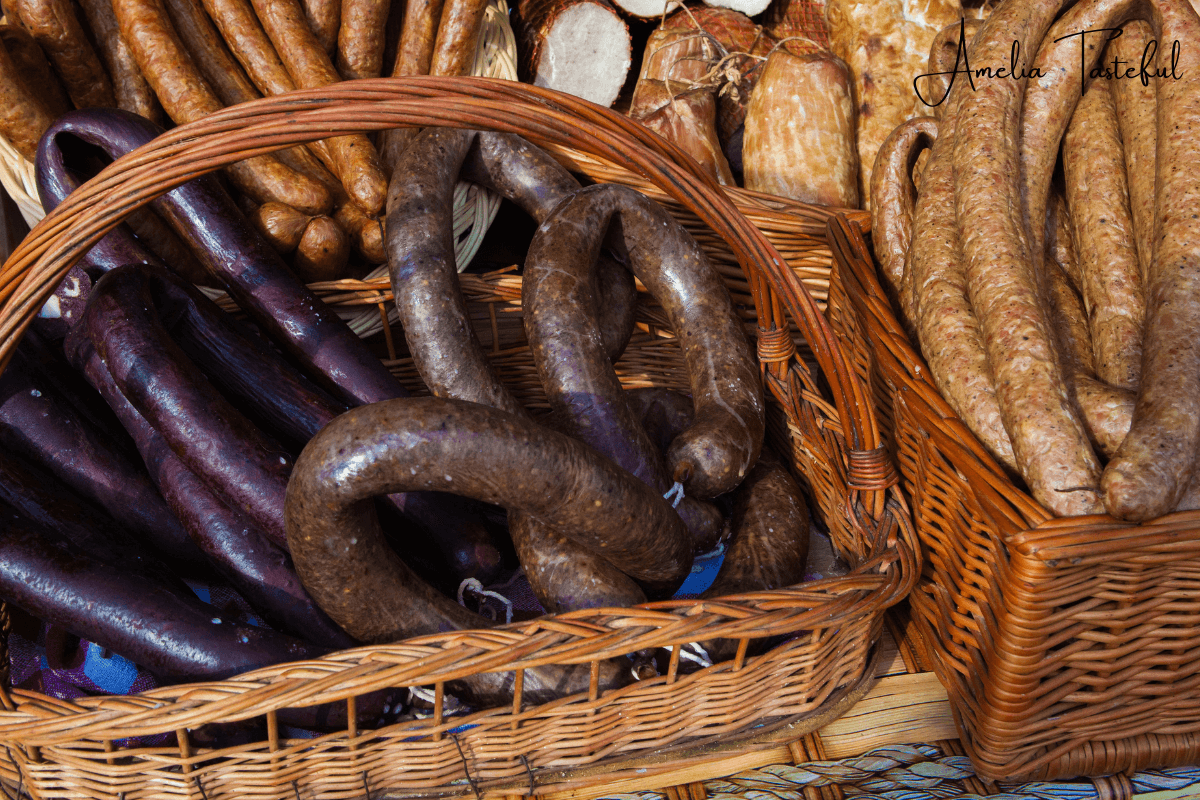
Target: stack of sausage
(186,58)
(1060,318)
(217,412)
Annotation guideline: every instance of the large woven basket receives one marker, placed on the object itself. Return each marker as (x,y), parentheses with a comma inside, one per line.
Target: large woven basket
(1068,646)
(632,736)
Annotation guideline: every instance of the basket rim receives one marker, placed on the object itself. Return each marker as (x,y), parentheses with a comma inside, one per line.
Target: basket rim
(882,578)
(29,275)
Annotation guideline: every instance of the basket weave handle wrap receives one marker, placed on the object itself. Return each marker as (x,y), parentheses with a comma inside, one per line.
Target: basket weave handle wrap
(544,116)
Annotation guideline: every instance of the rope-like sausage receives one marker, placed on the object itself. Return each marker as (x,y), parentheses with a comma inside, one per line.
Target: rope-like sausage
(1052,450)
(1098,198)
(947,328)
(893,198)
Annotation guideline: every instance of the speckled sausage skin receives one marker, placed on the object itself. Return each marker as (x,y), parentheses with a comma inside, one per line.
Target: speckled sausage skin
(893,197)
(944,56)
(257,567)
(1156,461)
(948,330)
(1136,108)
(1049,440)
(436,444)
(561,309)
(164,629)
(1098,199)
(769,546)
(715,453)
(528,176)
(1050,100)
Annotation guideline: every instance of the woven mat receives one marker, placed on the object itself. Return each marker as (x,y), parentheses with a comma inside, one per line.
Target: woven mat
(917,772)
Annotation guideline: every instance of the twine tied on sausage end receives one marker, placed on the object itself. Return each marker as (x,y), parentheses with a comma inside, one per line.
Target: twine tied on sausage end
(475,586)
(674,494)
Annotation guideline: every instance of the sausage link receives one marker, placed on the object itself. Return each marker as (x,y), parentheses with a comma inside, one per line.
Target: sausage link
(1050,99)
(947,327)
(1060,240)
(1098,200)
(1156,462)
(528,176)
(893,197)
(56,29)
(1070,323)
(714,454)
(563,575)
(131,90)
(186,97)
(357,164)
(257,567)
(561,310)
(208,51)
(430,444)
(23,117)
(457,37)
(280,225)
(946,55)
(213,438)
(325,19)
(166,630)
(34,69)
(1136,108)
(250,45)
(360,38)
(39,425)
(323,251)
(769,545)
(1049,440)
(414,56)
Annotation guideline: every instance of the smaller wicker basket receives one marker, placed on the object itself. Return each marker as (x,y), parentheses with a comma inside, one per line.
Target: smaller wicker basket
(822,421)
(1068,646)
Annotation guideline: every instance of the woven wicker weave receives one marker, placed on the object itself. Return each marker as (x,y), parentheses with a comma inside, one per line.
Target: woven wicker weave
(823,422)
(1068,646)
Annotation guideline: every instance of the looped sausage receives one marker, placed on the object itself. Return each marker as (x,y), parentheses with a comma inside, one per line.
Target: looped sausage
(714,454)
(479,452)
(893,198)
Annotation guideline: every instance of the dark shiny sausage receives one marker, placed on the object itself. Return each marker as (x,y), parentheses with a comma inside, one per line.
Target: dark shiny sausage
(715,453)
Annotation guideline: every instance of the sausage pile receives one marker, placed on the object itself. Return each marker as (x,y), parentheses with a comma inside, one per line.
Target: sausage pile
(279,456)
(1059,313)
(175,61)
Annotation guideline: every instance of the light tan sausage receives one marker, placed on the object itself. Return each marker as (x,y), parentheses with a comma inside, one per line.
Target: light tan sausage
(1098,200)
(893,197)
(1136,107)
(1049,440)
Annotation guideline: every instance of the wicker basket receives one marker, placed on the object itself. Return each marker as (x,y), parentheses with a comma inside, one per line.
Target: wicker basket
(635,734)
(1068,646)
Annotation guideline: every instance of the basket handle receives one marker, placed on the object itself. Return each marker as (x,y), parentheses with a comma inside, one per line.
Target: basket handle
(258,127)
